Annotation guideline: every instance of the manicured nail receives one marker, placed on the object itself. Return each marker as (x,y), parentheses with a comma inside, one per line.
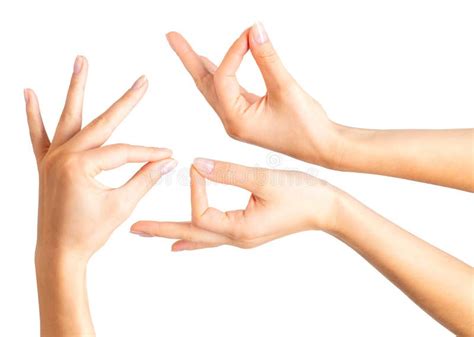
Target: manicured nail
(259,33)
(139,83)
(164,149)
(203,165)
(167,166)
(27,96)
(78,64)
(143,234)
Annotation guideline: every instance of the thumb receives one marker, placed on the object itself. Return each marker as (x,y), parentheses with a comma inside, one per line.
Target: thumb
(267,59)
(146,178)
(249,178)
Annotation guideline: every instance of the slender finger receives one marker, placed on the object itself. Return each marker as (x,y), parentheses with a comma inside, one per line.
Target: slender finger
(38,135)
(216,221)
(71,119)
(112,156)
(100,129)
(208,64)
(273,71)
(145,179)
(211,67)
(176,230)
(225,80)
(181,245)
(249,178)
(191,61)
(199,201)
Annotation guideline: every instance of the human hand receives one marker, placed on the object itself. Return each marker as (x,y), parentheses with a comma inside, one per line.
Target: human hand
(286,119)
(77,214)
(282,203)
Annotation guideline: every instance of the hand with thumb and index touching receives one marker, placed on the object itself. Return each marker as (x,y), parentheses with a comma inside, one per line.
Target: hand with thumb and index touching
(303,130)
(281,203)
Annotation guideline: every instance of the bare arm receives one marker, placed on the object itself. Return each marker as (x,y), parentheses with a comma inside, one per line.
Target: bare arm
(439,283)
(62,294)
(441,157)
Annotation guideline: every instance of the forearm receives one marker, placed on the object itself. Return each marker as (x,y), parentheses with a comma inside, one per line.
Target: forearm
(441,157)
(439,283)
(62,294)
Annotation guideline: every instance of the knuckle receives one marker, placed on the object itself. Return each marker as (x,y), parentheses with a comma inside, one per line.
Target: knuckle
(245,244)
(234,129)
(121,149)
(69,163)
(62,166)
(103,123)
(149,179)
(268,55)
(218,76)
(240,233)
(187,235)
(202,83)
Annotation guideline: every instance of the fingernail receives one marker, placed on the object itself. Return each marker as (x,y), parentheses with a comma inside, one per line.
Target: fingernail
(143,234)
(78,64)
(139,83)
(167,166)
(161,149)
(259,33)
(27,97)
(203,165)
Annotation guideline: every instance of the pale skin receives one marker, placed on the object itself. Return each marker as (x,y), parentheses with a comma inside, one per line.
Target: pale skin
(442,157)
(72,224)
(439,283)
(77,214)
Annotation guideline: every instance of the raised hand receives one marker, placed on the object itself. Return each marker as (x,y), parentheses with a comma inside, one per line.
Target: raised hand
(281,203)
(77,214)
(286,119)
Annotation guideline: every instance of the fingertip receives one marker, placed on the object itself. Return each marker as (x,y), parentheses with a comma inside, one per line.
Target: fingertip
(258,33)
(171,36)
(166,166)
(204,166)
(26,94)
(178,246)
(139,228)
(31,100)
(165,150)
(141,82)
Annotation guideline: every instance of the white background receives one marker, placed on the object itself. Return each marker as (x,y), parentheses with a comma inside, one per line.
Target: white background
(372,64)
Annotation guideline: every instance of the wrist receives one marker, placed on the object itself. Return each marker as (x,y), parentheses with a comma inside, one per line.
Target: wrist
(57,260)
(62,293)
(329,143)
(334,219)
(349,147)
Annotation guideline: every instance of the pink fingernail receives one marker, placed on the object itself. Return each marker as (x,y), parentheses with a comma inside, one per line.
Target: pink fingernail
(204,165)
(27,96)
(139,83)
(167,166)
(259,34)
(78,64)
(143,234)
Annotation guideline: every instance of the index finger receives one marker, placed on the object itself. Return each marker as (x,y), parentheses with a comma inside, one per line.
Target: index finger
(191,61)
